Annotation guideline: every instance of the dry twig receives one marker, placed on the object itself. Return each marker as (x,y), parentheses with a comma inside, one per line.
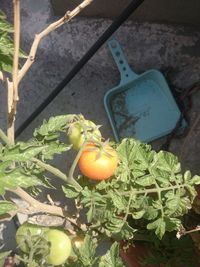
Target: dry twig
(38,37)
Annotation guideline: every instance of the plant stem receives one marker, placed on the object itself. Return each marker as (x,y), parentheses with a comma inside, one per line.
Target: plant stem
(58,173)
(13,86)
(75,162)
(37,206)
(38,37)
(149,191)
(4,137)
(160,197)
(16,4)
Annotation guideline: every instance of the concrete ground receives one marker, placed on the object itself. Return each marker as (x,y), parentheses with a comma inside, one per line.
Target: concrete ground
(146,45)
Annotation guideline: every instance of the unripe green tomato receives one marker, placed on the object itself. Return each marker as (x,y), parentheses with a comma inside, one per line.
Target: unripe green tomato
(76,135)
(28,230)
(60,247)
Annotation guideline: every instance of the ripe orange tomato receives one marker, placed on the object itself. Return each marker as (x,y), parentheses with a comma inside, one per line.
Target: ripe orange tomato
(98,164)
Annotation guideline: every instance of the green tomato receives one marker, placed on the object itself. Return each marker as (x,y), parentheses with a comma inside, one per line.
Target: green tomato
(25,231)
(60,247)
(76,135)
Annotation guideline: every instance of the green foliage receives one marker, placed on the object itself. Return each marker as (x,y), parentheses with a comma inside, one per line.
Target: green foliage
(6,45)
(6,206)
(148,186)
(147,193)
(111,258)
(3,255)
(86,255)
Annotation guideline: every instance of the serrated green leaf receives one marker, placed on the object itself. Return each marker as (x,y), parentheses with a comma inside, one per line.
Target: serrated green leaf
(172,204)
(102,185)
(187,176)
(112,258)
(146,180)
(15,153)
(5,26)
(157,204)
(2,15)
(118,201)
(17,178)
(125,233)
(54,148)
(195,180)
(192,191)
(150,213)
(86,253)
(172,224)
(166,161)
(70,191)
(6,206)
(53,125)
(184,205)
(5,62)
(159,226)
(138,214)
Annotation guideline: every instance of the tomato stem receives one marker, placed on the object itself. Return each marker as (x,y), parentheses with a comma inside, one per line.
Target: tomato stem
(4,137)
(75,162)
(58,173)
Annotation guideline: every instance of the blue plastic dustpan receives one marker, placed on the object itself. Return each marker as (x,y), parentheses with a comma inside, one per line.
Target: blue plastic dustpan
(141,106)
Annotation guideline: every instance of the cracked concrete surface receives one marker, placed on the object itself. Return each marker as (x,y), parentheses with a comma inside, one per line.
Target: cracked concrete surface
(146,45)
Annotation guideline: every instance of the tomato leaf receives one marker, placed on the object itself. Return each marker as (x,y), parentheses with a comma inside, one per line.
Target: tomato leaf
(195,180)
(17,153)
(166,161)
(86,253)
(3,256)
(70,191)
(53,125)
(15,178)
(6,206)
(118,201)
(159,226)
(112,258)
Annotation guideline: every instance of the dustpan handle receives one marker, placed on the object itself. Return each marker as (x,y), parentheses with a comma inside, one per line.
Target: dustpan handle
(125,71)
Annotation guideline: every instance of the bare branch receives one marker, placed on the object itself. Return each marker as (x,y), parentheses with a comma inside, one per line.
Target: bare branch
(37,206)
(38,37)
(16,4)
(183,231)
(11,117)
(1,76)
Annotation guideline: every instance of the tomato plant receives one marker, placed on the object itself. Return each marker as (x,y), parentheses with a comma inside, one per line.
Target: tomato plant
(81,130)
(98,163)
(27,231)
(148,197)
(60,246)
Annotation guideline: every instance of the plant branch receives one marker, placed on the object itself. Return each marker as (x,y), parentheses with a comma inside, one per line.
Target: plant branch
(37,207)
(75,162)
(4,137)
(150,191)
(16,4)
(1,76)
(183,232)
(57,173)
(38,37)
